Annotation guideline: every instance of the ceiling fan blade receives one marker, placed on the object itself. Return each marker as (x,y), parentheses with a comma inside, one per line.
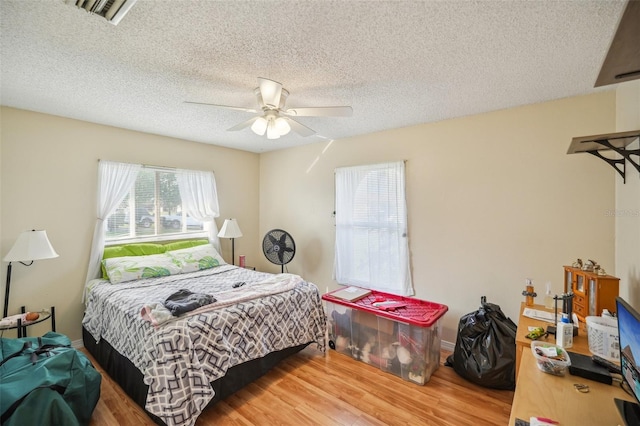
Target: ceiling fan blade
(242,125)
(224,106)
(300,129)
(270,91)
(337,111)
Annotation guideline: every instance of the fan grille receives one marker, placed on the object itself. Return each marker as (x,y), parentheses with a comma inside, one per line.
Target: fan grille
(278,247)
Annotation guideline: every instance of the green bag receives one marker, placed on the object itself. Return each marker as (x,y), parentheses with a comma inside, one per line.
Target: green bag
(44,381)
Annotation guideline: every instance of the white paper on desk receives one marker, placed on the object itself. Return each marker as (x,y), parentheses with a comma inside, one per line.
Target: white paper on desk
(534,421)
(539,315)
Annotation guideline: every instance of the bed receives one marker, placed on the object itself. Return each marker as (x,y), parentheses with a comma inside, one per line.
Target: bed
(174,366)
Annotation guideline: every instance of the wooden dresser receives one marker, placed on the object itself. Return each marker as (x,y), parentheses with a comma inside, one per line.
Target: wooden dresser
(592,292)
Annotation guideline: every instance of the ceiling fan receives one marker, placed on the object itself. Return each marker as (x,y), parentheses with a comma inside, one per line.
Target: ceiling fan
(274,119)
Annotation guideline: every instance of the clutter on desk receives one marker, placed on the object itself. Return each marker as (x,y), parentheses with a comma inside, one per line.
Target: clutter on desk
(550,358)
(582,388)
(567,308)
(539,315)
(529,292)
(584,366)
(564,332)
(536,333)
(542,421)
(589,266)
(548,297)
(602,333)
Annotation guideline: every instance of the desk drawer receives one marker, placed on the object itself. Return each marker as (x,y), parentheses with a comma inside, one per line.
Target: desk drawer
(580,310)
(579,300)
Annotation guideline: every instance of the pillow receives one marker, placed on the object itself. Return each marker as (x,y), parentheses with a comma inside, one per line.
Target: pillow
(197,258)
(129,268)
(135,249)
(125,250)
(178,245)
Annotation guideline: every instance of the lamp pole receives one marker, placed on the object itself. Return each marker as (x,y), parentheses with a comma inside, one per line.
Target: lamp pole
(6,292)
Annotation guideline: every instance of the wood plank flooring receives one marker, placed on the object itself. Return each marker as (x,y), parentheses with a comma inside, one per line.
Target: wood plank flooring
(311,388)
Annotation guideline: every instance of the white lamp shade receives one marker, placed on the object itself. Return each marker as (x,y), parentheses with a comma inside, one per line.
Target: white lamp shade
(272,130)
(259,126)
(230,229)
(31,245)
(282,126)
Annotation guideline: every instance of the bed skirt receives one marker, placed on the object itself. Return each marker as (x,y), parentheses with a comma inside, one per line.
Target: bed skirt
(123,372)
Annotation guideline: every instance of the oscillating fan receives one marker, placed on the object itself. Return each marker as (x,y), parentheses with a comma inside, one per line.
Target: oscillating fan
(278,247)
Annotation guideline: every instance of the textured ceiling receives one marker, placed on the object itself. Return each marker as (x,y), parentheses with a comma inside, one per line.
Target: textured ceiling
(397,63)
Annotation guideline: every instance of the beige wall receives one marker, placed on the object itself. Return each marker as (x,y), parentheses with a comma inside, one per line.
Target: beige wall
(48,181)
(628,199)
(492,200)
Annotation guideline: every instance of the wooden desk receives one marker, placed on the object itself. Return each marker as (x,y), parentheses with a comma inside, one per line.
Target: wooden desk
(580,342)
(554,397)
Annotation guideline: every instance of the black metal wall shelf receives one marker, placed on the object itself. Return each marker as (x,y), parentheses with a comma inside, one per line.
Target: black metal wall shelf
(617,142)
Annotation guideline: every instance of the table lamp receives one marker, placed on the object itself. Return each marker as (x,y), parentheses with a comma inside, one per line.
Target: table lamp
(30,245)
(230,229)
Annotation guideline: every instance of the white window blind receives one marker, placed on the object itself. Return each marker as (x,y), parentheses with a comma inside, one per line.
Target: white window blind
(155,208)
(372,248)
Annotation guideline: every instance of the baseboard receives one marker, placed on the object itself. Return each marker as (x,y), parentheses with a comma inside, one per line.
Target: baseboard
(77,344)
(447,346)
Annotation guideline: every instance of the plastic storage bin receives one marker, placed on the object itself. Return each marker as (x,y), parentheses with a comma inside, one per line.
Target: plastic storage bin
(602,333)
(404,342)
(557,367)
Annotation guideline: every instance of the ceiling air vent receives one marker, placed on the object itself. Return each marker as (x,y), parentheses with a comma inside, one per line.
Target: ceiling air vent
(112,10)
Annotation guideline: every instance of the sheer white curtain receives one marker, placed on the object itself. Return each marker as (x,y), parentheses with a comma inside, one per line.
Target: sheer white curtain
(114,182)
(200,199)
(372,248)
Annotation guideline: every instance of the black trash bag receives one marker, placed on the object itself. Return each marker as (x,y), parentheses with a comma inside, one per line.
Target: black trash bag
(485,351)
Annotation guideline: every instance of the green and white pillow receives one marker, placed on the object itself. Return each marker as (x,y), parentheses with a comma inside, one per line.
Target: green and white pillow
(191,259)
(196,258)
(129,268)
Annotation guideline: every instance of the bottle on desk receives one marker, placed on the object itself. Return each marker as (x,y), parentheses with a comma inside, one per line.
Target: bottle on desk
(548,298)
(564,333)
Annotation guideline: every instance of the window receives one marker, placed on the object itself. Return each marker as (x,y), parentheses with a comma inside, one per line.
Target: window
(372,249)
(153,208)
(137,203)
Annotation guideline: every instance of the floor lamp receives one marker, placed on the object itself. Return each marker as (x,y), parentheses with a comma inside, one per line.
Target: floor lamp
(230,229)
(30,245)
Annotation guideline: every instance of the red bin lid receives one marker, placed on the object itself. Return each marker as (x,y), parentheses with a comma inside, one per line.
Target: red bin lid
(417,312)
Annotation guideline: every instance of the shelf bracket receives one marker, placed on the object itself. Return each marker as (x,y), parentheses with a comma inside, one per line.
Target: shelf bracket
(625,153)
(617,142)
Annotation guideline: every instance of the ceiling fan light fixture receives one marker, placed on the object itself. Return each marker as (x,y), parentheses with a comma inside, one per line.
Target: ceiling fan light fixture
(259,126)
(272,130)
(282,126)
(275,120)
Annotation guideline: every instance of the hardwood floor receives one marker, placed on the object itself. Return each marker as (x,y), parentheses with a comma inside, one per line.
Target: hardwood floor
(311,388)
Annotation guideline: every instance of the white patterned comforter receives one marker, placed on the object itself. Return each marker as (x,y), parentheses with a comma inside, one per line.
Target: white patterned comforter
(180,358)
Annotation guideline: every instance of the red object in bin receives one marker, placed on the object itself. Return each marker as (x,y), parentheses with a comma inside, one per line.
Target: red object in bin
(415,311)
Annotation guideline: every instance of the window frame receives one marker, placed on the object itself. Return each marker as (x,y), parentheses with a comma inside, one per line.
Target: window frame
(370,207)
(156,236)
